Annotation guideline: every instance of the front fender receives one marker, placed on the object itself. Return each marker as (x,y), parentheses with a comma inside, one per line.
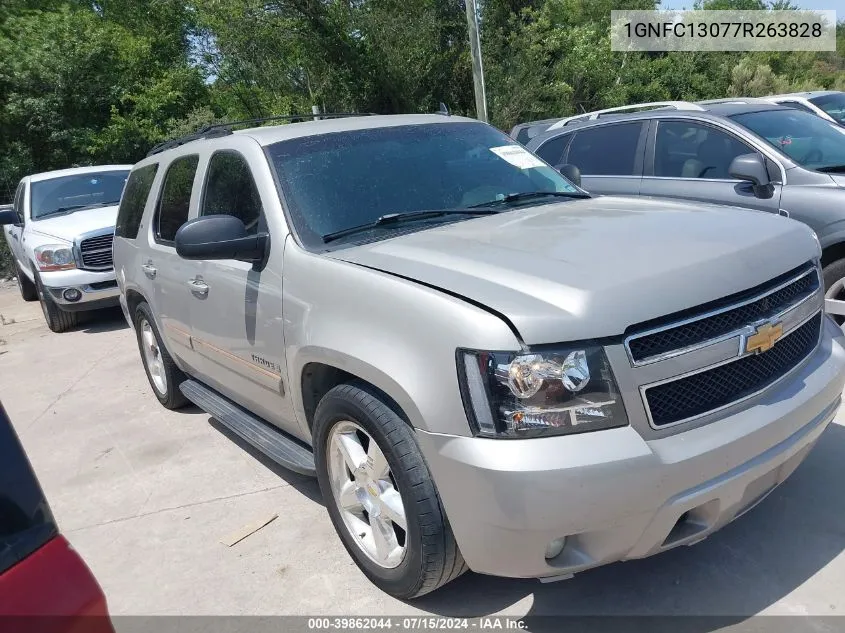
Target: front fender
(395,334)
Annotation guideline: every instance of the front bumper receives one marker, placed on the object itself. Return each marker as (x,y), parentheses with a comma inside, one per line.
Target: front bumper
(615,496)
(96,289)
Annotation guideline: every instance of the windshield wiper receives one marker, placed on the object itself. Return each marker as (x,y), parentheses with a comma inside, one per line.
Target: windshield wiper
(832,169)
(398,218)
(72,208)
(529,195)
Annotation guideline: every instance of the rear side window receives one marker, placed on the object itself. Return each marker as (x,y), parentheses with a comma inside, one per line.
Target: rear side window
(609,150)
(134,200)
(552,150)
(175,198)
(230,190)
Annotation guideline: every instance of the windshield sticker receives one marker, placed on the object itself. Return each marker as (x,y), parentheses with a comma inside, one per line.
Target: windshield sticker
(518,156)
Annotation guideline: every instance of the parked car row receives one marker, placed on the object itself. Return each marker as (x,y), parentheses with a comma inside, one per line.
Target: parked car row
(741,152)
(485,366)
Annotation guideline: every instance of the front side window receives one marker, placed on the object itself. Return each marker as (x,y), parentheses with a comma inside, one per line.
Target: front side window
(833,105)
(66,194)
(175,200)
(134,200)
(17,205)
(552,150)
(230,190)
(608,150)
(691,150)
(807,139)
(336,181)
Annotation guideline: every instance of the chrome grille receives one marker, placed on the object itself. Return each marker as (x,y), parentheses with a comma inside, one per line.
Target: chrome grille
(96,252)
(706,391)
(763,303)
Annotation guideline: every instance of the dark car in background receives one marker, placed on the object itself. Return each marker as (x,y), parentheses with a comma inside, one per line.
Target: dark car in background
(747,153)
(45,586)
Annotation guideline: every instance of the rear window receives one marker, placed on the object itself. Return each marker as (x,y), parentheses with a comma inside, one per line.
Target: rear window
(609,150)
(134,200)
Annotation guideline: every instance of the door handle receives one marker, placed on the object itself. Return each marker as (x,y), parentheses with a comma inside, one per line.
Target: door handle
(198,287)
(149,270)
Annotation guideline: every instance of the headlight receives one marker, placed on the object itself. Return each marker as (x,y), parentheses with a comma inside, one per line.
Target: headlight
(541,393)
(54,257)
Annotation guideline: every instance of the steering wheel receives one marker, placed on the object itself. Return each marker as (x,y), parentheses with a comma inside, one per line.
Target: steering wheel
(815,155)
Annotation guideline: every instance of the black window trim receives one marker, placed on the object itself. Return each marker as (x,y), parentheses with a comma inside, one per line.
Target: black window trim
(20,192)
(262,219)
(157,210)
(639,156)
(648,171)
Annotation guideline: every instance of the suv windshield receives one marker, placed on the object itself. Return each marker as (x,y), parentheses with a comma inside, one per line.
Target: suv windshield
(833,104)
(79,191)
(337,181)
(807,139)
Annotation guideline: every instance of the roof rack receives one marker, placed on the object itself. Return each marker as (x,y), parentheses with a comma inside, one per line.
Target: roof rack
(215,130)
(592,116)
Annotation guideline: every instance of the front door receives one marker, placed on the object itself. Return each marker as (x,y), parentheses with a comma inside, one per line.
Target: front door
(691,161)
(14,234)
(236,310)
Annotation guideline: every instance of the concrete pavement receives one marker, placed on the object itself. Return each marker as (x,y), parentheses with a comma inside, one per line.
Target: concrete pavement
(145,495)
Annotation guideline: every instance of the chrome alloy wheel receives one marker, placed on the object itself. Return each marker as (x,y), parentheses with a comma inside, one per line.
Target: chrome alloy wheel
(366,494)
(835,301)
(152,357)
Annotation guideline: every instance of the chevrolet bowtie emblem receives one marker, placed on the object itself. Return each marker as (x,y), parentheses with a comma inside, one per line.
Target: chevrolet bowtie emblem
(764,338)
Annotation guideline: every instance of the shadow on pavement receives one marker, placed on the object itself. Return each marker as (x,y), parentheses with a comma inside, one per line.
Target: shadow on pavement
(105,320)
(739,571)
(306,486)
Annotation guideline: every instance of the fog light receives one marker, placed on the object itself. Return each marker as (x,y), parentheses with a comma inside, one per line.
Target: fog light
(554,548)
(72,294)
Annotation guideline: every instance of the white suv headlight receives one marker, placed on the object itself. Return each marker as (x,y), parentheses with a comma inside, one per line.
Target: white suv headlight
(550,392)
(49,257)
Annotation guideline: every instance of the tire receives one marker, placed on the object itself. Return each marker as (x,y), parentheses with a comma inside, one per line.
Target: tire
(58,320)
(430,557)
(163,374)
(834,284)
(27,288)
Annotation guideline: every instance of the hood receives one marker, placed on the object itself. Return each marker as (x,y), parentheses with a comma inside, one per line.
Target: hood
(68,227)
(839,179)
(592,268)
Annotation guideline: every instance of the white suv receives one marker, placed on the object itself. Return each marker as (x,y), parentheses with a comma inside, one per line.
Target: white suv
(60,231)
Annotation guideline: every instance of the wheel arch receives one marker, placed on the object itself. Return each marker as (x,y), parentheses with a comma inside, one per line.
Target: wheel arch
(319,371)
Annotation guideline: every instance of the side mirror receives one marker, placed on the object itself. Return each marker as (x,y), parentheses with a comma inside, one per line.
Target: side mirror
(220,237)
(571,173)
(9,216)
(752,168)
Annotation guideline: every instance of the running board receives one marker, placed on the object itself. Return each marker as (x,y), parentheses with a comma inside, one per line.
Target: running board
(273,442)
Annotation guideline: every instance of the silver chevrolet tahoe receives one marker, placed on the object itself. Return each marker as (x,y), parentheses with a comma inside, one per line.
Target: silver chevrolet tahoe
(483,366)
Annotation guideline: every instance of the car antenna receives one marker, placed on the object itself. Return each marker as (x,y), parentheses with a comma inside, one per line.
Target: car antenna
(443,110)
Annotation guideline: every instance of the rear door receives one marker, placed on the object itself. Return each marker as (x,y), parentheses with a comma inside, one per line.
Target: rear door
(690,160)
(26,522)
(609,157)
(236,313)
(169,275)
